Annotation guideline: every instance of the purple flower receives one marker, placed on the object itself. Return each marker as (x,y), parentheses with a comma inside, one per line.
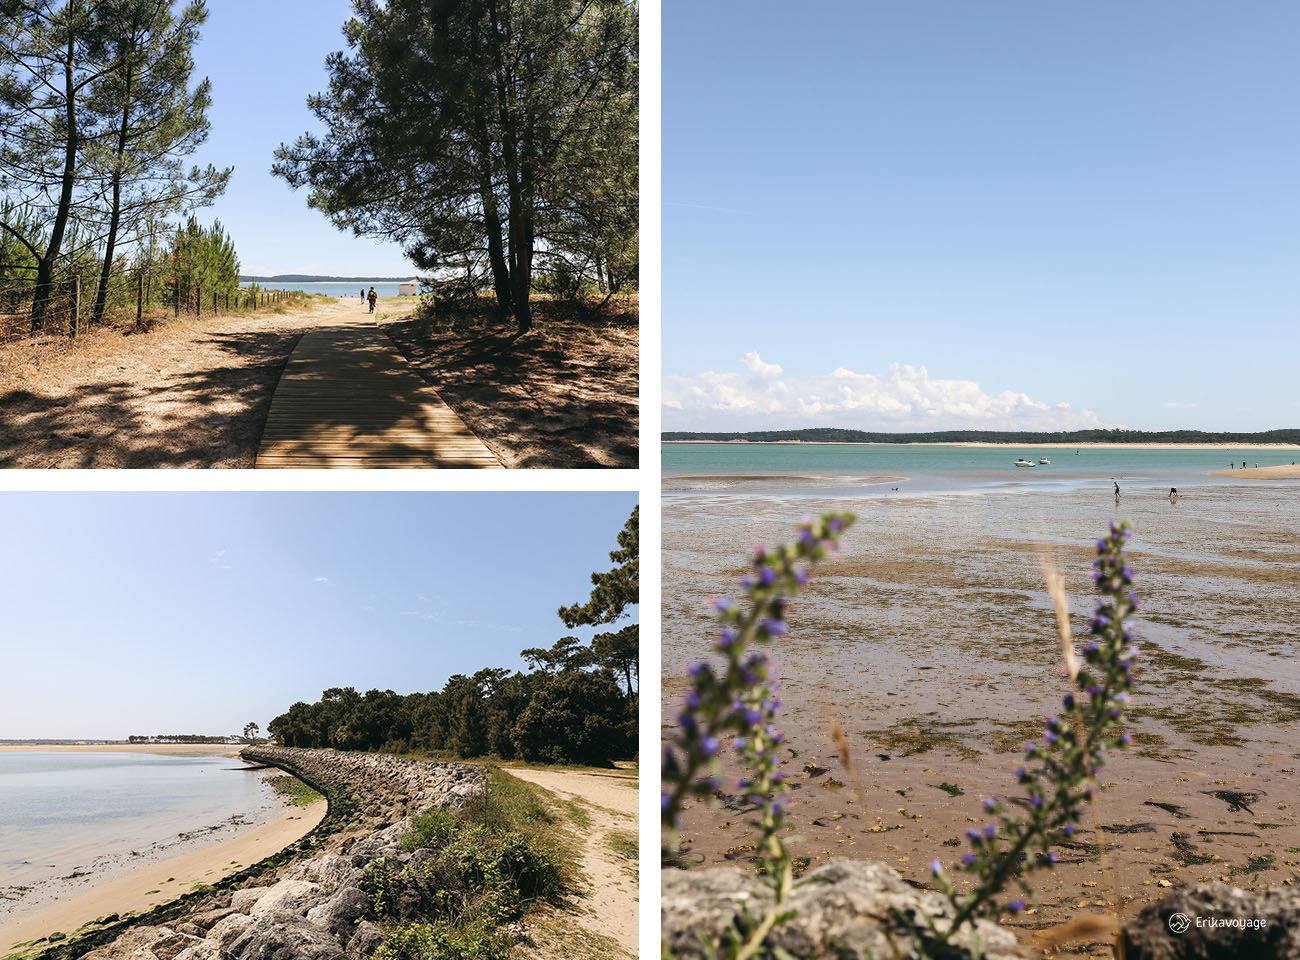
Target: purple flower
(687,722)
(665,801)
(1015,906)
(973,836)
(723,604)
(1125,740)
(1029,749)
(990,831)
(1068,701)
(801,576)
(774,628)
(936,867)
(1020,773)
(727,636)
(990,804)
(836,524)
(766,575)
(1050,737)
(738,743)
(752,717)
(709,746)
(693,700)
(1069,830)
(968,859)
(747,582)
(1035,801)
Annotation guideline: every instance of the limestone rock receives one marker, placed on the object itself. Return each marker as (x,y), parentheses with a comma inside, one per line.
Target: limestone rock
(365,941)
(1265,925)
(340,913)
(244,900)
(845,909)
(168,947)
(284,897)
(278,939)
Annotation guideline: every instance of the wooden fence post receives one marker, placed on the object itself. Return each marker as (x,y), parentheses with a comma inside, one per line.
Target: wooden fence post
(139,302)
(214,301)
(76,304)
(198,302)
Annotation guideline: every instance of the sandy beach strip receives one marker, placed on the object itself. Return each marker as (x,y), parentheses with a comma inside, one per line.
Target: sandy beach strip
(165,749)
(158,882)
(1001,443)
(1283,472)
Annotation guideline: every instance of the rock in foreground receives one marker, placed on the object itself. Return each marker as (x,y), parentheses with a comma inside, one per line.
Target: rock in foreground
(1217,922)
(846,909)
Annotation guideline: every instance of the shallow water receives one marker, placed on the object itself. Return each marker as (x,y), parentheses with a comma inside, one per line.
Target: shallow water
(63,812)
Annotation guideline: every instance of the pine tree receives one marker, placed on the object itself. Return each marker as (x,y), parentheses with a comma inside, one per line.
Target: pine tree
(148,117)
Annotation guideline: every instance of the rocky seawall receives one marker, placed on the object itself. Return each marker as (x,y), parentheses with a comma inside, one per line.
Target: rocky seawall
(304,902)
(860,909)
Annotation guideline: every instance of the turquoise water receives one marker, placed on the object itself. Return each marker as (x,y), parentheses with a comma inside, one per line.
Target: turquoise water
(334,289)
(62,812)
(950,467)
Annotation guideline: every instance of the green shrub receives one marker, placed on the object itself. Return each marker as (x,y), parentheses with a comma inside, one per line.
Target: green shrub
(440,941)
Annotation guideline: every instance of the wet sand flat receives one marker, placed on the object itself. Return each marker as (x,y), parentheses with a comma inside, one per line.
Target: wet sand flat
(931,641)
(144,887)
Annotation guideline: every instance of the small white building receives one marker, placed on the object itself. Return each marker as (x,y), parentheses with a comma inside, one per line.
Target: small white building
(408,289)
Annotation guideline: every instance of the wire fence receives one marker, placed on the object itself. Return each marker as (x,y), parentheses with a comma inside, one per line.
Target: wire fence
(70,304)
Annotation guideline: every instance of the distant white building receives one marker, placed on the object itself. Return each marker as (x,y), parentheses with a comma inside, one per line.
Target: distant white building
(408,289)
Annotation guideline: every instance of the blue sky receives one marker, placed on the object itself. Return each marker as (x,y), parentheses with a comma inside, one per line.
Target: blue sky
(171,612)
(264,59)
(940,214)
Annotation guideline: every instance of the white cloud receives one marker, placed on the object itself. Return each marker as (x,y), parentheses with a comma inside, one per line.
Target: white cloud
(756,366)
(321,580)
(905,398)
(1180,405)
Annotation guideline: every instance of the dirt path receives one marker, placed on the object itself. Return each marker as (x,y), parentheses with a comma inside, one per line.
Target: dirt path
(187,394)
(603,805)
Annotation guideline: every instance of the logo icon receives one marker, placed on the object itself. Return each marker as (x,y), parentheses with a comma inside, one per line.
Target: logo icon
(1179,923)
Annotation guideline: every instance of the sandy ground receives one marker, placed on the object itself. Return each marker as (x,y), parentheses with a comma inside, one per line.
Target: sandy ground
(196,393)
(564,396)
(166,749)
(1283,472)
(931,642)
(609,904)
(986,443)
(163,880)
(186,394)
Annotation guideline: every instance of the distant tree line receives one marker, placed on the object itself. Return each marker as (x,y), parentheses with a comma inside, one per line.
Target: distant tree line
(1064,438)
(577,703)
(97,117)
(179,738)
(493,139)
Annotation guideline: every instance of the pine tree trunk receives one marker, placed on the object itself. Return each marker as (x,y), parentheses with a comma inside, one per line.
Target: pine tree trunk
(115,217)
(45,268)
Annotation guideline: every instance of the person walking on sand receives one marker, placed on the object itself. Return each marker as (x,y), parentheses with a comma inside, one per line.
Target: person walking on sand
(363,293)
(1173,494)
(372,297)
(1116,482)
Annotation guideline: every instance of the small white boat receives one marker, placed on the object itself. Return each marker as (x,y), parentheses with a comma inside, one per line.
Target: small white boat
(1022,462)
(1043,460)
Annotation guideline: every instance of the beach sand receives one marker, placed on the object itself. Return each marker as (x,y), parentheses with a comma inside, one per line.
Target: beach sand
(165,749)
(1283,472)
(160,881)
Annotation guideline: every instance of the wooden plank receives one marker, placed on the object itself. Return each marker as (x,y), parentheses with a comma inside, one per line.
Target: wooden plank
(349,400)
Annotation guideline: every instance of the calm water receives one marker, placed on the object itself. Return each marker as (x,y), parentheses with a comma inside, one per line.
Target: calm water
(335,289)
(835,468)
(62,811)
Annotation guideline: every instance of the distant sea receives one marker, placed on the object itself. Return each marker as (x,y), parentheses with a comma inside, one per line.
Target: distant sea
(833,469)
(63,812)
(334,289)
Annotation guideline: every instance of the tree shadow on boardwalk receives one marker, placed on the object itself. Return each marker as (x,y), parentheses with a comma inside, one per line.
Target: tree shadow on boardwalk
(196,400)
(562,396)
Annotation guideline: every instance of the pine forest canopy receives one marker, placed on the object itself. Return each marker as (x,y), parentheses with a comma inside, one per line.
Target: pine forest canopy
(570,708)
(97,116)
(487,137)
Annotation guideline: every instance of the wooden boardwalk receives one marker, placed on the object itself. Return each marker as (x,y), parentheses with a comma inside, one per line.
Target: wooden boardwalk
(347,398)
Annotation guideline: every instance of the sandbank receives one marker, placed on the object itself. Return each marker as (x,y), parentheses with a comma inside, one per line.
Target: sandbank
(149,885)
(1286,472)
(1007,443)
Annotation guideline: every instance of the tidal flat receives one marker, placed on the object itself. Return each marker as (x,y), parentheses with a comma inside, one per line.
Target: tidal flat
(930,641)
